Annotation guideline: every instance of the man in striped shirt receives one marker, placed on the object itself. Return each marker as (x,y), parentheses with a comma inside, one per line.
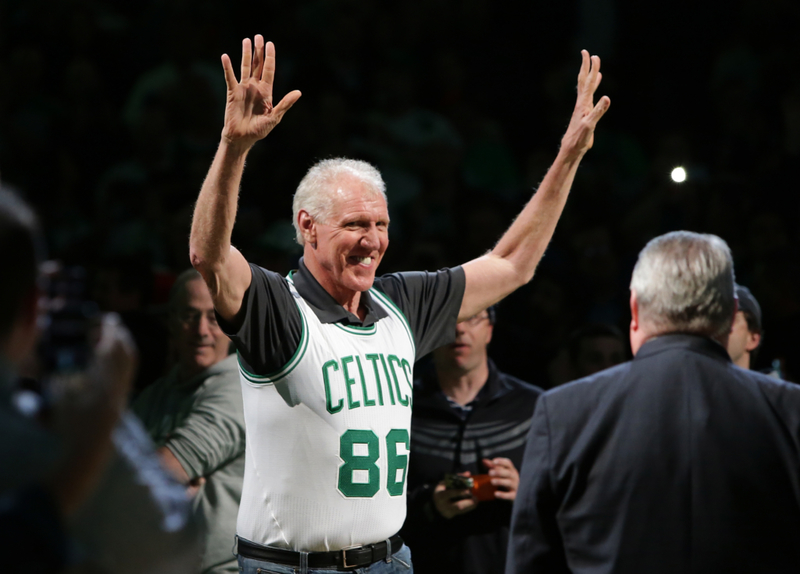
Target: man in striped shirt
(469,418)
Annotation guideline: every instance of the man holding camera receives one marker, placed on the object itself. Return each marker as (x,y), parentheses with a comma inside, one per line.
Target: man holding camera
(469,420)
(47,473)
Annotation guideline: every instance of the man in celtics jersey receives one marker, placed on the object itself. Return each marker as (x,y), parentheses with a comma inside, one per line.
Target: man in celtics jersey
(326,353)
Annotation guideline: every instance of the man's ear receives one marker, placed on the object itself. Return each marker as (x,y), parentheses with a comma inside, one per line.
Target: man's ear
(634,312)
(636,333)
(308,228)
(753,341)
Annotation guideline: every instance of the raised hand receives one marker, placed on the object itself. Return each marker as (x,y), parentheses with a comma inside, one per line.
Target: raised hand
(249,113)
(580,133)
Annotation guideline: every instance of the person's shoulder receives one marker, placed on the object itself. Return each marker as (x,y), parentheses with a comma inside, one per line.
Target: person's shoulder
(406,281)
(224,374)
(395,283)
(519,386)
(257,269)
(227,368)
(769,384)
(589,386)
(273,278)
(154,391)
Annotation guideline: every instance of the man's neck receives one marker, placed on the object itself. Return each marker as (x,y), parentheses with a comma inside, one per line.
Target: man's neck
(186,372)
(743,361)
(462,386)
(347,298)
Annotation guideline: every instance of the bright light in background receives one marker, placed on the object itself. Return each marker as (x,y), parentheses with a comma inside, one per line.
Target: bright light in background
(678,175)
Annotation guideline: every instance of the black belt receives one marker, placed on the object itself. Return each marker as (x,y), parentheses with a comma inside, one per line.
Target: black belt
(341,559)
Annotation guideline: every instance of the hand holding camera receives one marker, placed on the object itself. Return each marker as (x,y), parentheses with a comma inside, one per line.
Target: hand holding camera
(461,493)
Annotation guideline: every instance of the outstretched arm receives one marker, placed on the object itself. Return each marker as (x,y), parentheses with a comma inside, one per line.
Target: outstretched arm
(249,117)
(514,259)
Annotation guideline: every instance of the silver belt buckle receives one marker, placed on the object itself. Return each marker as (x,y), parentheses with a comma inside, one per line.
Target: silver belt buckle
(344,555)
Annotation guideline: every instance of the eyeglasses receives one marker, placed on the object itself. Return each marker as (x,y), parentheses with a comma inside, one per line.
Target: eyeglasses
(476,319)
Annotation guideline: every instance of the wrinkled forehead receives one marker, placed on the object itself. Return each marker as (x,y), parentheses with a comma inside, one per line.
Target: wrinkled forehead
(347,192)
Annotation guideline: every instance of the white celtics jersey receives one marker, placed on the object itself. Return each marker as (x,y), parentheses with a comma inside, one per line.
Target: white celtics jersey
(328,436)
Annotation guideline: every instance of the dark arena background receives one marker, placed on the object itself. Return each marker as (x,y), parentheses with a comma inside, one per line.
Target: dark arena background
(110,113)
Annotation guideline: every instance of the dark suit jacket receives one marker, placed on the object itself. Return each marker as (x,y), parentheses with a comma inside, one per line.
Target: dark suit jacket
(677,461)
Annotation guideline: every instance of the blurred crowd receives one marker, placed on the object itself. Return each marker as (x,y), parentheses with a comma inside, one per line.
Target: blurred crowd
(111,113)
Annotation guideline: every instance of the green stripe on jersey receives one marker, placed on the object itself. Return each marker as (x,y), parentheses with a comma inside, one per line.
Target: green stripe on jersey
(356,330)
(286,369)
(395,310)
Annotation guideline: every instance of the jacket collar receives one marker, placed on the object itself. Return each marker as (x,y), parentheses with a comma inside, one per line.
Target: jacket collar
(325,306)
(494,387)
(686,341)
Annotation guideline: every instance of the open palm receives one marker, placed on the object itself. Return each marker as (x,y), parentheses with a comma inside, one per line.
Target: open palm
(579,137)
(249,113)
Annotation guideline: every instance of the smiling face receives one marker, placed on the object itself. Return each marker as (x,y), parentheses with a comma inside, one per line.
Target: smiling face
(198,339)
(343,251)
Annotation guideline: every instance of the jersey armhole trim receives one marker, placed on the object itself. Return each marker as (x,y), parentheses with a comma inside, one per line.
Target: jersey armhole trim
(395,310)
(284,371)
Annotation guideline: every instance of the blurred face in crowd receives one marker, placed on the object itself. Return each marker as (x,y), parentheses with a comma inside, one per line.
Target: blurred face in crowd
(199,341)
(468,352)
(351,242)
(597,354)
(741,341)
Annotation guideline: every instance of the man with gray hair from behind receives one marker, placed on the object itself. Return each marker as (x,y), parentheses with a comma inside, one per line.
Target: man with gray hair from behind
(676,461)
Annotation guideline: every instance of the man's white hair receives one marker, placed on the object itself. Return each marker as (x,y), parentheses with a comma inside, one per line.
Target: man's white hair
(315,194)
(684,282)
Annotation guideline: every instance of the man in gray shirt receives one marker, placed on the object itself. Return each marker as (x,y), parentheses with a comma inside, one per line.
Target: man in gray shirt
(194,415)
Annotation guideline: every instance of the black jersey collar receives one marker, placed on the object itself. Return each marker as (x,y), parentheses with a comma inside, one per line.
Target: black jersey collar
(325,306)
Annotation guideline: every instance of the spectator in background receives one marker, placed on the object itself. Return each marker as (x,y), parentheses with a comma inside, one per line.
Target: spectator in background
(745,336)
(47,474)
(194,414)
(676,461)
(468,418)
(587,350)
(594,348)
